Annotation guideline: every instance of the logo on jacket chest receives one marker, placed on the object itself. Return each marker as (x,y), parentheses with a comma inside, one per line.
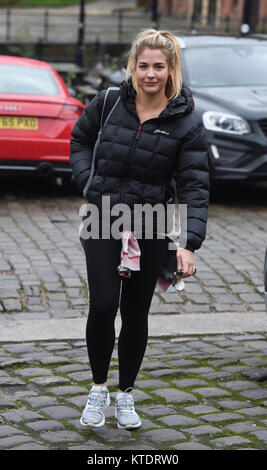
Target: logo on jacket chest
(159,131)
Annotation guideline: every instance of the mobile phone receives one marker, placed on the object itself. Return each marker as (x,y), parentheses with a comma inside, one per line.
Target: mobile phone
(179,272)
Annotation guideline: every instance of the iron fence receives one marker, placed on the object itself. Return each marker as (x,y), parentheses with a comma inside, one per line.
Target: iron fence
(55,27)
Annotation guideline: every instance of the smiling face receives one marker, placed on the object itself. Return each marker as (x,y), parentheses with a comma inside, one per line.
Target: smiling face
(152,71)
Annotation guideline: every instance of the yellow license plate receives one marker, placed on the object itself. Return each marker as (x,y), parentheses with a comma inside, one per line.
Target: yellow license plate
(19,122)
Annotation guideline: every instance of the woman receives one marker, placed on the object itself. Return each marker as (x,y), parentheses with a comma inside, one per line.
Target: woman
(153,137)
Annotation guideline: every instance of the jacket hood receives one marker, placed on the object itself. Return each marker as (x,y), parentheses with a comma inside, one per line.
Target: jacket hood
(183,104)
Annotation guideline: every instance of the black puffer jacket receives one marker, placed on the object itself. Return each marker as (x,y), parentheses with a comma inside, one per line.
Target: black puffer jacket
(135,163)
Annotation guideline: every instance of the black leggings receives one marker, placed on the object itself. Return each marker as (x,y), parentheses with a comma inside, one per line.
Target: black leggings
(108,291)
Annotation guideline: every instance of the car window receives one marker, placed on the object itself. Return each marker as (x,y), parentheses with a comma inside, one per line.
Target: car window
(16,79)
(227,65)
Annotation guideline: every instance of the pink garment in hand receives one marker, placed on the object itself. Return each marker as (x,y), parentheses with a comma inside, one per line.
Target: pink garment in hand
(130,259)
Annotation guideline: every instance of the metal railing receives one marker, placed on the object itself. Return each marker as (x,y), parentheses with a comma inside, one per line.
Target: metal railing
(54,27)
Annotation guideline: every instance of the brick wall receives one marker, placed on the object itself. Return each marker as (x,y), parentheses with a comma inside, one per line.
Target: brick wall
(231,8)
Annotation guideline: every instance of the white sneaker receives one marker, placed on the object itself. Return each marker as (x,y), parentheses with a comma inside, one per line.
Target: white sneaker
(125,413)
(93,413)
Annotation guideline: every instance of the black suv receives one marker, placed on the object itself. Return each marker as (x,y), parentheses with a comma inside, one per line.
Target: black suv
(228,78)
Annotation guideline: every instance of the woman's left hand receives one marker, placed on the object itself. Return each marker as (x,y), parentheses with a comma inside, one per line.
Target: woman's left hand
(186,262)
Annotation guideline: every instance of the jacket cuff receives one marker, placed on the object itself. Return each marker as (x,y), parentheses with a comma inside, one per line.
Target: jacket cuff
(189,247)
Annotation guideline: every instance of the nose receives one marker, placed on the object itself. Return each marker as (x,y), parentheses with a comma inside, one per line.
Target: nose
(150,72)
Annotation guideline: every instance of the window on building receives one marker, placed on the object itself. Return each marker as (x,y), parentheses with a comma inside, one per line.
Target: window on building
(212,11)
(197,10)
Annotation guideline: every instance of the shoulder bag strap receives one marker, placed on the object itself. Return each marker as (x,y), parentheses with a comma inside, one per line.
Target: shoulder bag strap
(107,109)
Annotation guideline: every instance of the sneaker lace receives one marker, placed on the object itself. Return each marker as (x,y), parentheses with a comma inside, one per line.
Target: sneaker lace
(126,402)
(97,399)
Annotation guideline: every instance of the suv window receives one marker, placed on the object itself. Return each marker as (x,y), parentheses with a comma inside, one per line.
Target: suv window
(242,65)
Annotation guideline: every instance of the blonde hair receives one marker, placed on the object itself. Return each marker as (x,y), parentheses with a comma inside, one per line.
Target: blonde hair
(153,39)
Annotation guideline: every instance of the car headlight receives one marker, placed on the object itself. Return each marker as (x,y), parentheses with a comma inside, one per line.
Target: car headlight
(223,122)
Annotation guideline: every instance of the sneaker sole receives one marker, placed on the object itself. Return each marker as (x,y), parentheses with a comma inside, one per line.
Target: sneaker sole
(98,425)
(130,426)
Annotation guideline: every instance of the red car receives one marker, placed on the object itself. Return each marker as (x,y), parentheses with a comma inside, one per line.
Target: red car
(37,114)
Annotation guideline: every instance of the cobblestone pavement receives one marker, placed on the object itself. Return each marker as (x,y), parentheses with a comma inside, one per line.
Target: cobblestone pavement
(192,393)
(43,272)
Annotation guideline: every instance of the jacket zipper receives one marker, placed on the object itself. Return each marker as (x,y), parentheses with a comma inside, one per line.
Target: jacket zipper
(129,159)
(131,153)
